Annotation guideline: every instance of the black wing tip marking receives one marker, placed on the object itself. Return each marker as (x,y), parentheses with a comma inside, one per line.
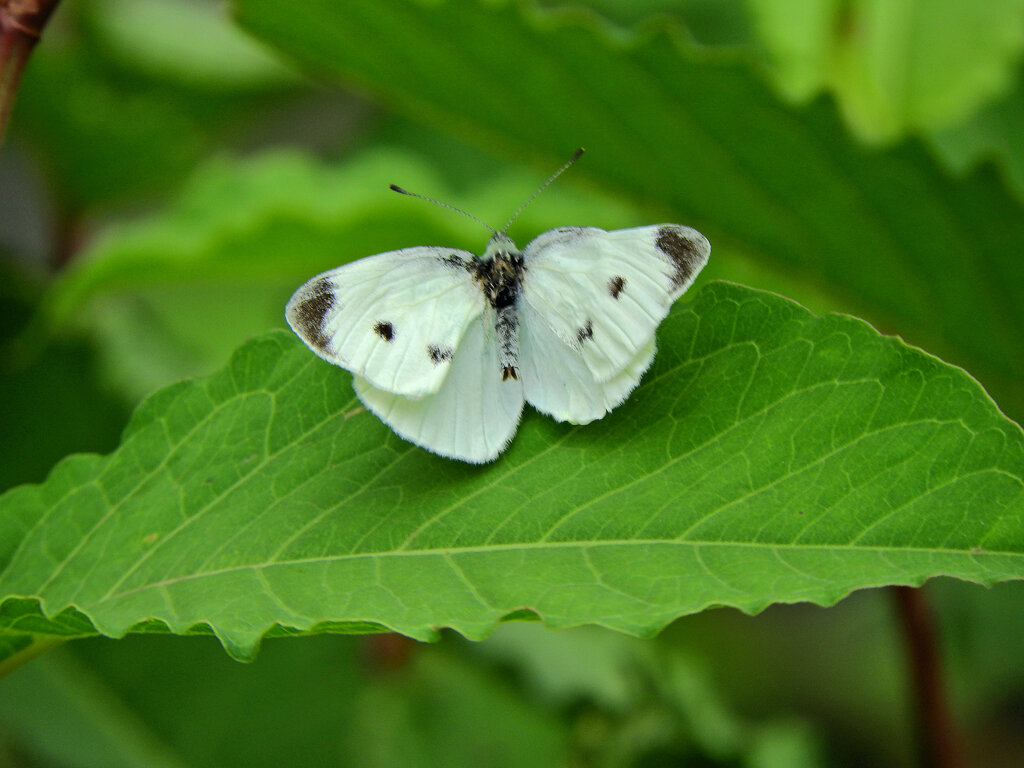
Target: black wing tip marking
(311,313)
(685,253)
(438,354)
(385,330)
(616,285)
(509,372)
(586,333)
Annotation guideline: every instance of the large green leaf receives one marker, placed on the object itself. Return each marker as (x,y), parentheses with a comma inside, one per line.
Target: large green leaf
(702,140)
(768,456)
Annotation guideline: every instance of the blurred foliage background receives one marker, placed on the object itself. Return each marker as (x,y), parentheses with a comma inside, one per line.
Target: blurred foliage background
(172,173)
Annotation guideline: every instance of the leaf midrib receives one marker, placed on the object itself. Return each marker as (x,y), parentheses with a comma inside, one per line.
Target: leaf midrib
(446,552)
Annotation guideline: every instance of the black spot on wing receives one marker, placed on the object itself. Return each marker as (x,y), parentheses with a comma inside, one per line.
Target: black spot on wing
(586,333)
(438,354)
(509,372)
(385,330)
(683,253)
(615,286)
(311,314)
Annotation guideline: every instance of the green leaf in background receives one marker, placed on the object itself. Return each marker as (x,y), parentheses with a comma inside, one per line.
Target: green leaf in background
(83,129)
(60,709)
(894,66)
(993,134)
(51,401)
(768,456)
(614,673)
(109,116)
(699,139)
(712,22)
(185,42)
(120,705)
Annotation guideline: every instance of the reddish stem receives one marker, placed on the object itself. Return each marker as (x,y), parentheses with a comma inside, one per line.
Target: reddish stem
(21,24)
(938,740)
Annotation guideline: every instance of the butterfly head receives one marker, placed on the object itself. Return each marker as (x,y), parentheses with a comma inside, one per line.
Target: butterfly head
(499,272)
(500,247)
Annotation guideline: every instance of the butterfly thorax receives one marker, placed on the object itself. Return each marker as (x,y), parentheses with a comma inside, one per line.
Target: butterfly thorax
(499,273)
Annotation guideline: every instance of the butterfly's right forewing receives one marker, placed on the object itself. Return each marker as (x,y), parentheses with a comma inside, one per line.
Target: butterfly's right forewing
(604,293)
(394,320)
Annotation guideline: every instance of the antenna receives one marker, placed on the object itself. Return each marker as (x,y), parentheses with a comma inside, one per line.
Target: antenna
(399,190)
(576,156)
(541,188)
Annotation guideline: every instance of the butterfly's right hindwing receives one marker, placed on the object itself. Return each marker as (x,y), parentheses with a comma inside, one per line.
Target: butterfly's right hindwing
(472,417)
(556,381)
(394,320)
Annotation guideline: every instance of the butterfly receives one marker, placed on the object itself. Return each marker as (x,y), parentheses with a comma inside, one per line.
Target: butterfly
(446,346)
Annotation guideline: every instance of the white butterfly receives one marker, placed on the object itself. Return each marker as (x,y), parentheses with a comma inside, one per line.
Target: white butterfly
(445,346)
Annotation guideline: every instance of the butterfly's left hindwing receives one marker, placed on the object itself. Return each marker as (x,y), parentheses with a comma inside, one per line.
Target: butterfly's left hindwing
(395,319)
(604,293)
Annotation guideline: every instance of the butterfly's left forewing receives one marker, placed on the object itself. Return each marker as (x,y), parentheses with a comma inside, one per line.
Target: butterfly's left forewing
(395,319)
(604,293)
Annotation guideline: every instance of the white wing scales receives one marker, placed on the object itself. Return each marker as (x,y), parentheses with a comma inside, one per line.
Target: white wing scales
(604,293)
(395,319)
(472,417)
(557,382)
